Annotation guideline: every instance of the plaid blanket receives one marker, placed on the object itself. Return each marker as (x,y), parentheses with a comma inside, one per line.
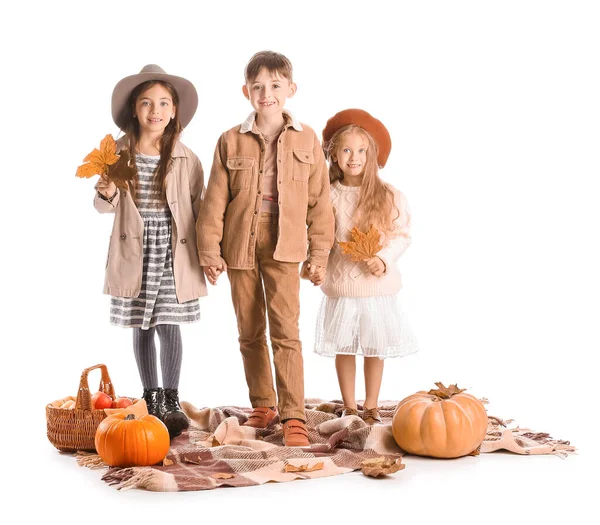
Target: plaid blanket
(218,451)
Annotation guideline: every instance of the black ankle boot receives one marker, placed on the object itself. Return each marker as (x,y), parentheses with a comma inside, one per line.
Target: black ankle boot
(174,418)
(155,400)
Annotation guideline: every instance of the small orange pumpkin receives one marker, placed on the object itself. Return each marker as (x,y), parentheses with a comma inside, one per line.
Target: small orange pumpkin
(442,423)
(124,440)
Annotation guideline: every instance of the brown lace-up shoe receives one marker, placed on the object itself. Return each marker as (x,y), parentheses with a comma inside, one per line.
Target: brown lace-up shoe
(347,411)
(261,417)
(371,416)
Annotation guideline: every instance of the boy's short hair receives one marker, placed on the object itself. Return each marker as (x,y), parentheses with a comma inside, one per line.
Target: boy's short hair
(274,62)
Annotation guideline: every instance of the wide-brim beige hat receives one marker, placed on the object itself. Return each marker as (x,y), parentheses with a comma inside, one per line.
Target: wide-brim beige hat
(188,96)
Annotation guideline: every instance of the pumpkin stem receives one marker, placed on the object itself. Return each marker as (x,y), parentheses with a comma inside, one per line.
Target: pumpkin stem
(444,392)
(129,417)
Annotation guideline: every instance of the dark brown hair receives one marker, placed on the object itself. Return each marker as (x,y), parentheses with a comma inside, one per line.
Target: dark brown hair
(274,62)
(166,141)
(376,202)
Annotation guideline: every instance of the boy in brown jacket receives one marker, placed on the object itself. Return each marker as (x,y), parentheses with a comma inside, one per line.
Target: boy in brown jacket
(267,201)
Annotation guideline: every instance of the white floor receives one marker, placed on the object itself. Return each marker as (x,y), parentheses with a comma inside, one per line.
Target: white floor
(494,113)
(496,488)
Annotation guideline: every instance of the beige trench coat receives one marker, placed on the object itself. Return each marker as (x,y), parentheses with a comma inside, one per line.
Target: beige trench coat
(185,185)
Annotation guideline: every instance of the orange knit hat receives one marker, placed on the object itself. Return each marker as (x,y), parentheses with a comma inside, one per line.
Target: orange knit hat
(369,123)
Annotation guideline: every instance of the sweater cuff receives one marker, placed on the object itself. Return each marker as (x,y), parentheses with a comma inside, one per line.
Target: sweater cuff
(210,258)
(319,257)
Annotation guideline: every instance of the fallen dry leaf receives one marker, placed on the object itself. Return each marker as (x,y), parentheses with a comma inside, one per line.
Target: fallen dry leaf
(304,468)
(378,467)
(97,162)
(363,246)
(167,462)
(190,460)
(223,475)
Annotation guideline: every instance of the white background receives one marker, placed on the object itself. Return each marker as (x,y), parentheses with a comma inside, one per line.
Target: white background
(494,112)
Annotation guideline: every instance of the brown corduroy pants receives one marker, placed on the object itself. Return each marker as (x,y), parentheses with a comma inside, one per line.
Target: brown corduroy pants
(279,283)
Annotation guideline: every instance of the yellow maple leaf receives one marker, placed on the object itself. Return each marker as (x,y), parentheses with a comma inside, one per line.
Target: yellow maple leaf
(97,162)
(363,246)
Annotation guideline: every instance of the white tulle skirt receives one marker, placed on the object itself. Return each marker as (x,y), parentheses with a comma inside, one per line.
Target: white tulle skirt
(370,326)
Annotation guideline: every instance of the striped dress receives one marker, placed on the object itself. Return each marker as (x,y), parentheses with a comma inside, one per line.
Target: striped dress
(157,302)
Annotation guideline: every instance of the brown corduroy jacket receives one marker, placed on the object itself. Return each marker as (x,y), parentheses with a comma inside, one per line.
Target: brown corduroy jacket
(227,221)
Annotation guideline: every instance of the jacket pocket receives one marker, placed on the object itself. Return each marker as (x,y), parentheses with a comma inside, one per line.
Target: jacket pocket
(240,172)
(303,161)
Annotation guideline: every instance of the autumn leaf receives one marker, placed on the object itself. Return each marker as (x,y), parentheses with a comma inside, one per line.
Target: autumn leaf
(122,172)
(363,246)
(304,468)
(97,162)
(444,392)
(222,475)
(379,467)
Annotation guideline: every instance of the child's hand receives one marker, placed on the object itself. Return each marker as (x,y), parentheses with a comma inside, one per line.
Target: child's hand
(376,266)
(316,274)
(213,272)
(106,187)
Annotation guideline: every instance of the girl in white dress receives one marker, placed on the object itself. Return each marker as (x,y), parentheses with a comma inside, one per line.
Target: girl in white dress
(360,313)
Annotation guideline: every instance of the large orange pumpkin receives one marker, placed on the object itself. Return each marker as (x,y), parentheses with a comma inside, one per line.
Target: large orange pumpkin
(124,440)
(442,423)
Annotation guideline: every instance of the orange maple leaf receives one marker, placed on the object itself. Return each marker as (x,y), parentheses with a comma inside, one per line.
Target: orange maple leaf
(304,468)
(363,246)
(97,162)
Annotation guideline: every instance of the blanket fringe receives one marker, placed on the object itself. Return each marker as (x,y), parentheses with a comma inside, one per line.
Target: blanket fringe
(90,460)
(522,440)
(127,478)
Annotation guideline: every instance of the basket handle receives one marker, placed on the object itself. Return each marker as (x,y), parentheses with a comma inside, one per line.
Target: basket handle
(84,397)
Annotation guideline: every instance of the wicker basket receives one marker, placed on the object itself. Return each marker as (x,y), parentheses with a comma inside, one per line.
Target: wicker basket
(74,429)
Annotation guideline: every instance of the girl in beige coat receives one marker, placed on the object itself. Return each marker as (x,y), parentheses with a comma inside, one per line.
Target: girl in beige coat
(152,272)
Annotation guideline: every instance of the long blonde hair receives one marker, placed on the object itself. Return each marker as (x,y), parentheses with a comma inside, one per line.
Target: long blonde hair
(376,203)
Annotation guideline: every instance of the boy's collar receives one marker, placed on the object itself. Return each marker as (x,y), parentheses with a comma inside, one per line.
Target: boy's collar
(248,124)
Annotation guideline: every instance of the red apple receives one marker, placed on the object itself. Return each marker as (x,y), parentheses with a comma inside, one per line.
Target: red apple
(122,402)
(100,400)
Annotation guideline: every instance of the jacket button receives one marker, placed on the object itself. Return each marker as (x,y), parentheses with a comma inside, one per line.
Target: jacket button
(251,234)
(279,160)
(123,236)
(255,213)
(279,181)
(182,241)
(259,171)
(306,156)
(259,192)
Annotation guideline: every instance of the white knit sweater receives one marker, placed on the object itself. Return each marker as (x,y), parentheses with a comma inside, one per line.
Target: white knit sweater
(346,278)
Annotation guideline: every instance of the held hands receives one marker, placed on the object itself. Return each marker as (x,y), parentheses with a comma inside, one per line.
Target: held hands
(316,274)
(376,266)
(213,272)
(106,187)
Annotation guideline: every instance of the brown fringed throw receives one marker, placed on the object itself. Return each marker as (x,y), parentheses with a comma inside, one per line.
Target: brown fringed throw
(218,451)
